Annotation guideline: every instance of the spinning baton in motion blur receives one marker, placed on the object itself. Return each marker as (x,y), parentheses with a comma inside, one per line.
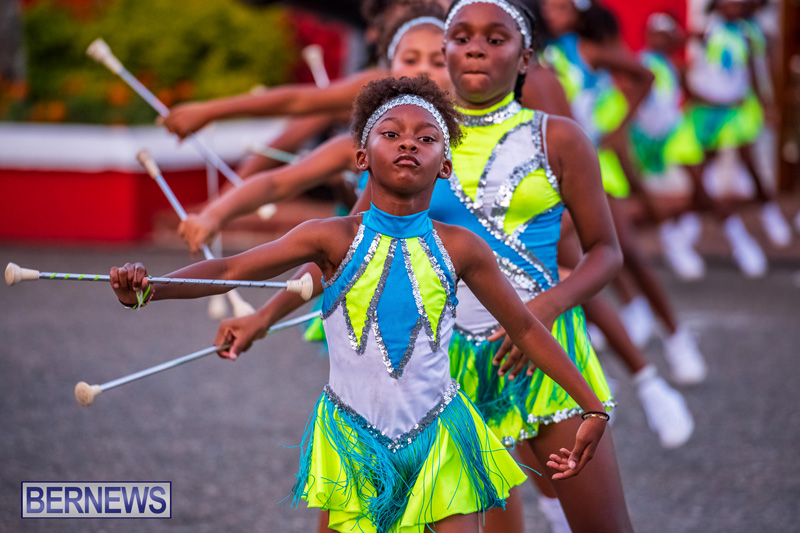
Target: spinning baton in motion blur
(86,393)
(100,52)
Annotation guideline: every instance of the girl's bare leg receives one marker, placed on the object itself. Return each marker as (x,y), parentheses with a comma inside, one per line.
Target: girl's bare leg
(593,501)
(459,523)
(637,266)
(322,525)
(508,520)
(602,315)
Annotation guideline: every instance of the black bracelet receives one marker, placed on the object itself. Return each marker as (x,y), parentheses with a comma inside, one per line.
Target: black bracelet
(596,414)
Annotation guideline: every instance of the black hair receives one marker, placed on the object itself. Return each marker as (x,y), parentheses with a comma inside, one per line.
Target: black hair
(536,37)
(378,92)
(420,8)
(597,24)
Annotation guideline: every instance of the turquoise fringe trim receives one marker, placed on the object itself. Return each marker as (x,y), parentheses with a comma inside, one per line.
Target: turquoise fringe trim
(369,464)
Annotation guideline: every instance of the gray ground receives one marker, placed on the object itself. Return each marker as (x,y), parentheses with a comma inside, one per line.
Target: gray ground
(218,430)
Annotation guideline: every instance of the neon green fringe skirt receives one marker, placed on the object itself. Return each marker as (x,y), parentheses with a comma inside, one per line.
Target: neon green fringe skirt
(514,409)
(453,466)
(718,128)
(680,147)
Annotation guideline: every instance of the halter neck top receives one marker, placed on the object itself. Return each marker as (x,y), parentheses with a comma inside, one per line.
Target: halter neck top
(388,314)
(504,190)
(720,71)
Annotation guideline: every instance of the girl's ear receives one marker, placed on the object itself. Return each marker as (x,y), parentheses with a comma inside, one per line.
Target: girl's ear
(361,160)
(447,169)
(525,60)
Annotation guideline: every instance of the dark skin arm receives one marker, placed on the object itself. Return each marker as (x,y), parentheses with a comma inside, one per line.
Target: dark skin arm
(475,264)
(295,135)
(288,100)
(543,91)
(573,158)
(331,157)
(314,241)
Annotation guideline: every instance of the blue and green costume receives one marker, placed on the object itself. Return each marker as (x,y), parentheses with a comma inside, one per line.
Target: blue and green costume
(504,190)
(661,134)
(728,114)
(596,104)
(393,445)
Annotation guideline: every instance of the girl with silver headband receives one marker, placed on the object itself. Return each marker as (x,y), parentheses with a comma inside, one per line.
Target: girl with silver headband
(514,175)
(393,445)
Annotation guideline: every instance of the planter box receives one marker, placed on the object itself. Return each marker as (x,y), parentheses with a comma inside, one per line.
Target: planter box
(78,183)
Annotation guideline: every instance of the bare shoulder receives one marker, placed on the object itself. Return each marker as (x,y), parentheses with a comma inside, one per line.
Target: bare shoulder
(461,244)
(563,130)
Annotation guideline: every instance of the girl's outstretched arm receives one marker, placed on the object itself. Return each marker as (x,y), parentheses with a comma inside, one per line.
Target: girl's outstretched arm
(287,100)
(476,265)
(334,156)
(313,241)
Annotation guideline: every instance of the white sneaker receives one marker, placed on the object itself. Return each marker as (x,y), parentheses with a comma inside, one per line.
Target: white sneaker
(554,513)
(746,251)
(686,363)
(217,306)
(778,230)
(681,257)
(638,320)
(690,226)
(596,337)
(665,408)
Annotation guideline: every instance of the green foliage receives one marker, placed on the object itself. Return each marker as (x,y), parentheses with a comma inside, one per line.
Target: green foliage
(181,50)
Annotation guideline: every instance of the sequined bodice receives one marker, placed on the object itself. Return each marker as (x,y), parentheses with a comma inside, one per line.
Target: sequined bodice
(388,315)
(503,189)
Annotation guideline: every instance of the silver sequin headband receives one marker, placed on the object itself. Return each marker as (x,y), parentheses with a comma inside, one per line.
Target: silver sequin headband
(407,99)
(512,11)
(582,5)
(402,30)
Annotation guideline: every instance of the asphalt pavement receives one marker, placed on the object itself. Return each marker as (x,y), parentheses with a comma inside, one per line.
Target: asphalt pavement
(224,432)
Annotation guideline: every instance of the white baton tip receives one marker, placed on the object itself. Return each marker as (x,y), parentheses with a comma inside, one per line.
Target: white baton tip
(312,54)
(147,161)
(85,393)
(15,274)
(100,52)
(303,286)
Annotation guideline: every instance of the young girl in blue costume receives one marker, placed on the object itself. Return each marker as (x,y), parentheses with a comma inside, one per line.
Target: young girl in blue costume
(393,445)
(513,176)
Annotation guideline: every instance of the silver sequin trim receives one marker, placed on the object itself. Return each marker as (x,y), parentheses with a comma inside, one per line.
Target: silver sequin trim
(402,30)
(560,416)
(372,310)
(497,116)
(518,276)
(347,258)
(446,256)
(449,290)
(403,440)
(433,340)
(341,299)
(511,241)
(476,337)
(408,99)
(512,11)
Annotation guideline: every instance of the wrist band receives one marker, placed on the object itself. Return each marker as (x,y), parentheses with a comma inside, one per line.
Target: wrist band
(596,414)
(142,299)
